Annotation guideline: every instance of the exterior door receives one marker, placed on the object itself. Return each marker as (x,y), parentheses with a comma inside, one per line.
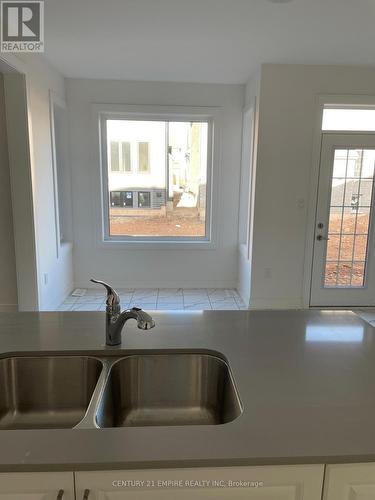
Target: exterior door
(343,271)
(303,482)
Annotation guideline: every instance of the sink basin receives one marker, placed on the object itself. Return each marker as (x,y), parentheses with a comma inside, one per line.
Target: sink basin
(46,392)
(143,389)
(168,389)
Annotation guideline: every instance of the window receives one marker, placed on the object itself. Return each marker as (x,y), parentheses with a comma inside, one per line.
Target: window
(120,156)
(143,157)
(144,199)
(121,199)
(169,177)
(115,156)
(350,119)
(125,157)
(116,199)
(128,199)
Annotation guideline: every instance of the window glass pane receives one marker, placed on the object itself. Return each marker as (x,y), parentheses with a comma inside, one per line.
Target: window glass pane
(349,218)
(116,199)
(344,271)
(330,274)
(115,157)
(144,199)
(349,119)
(333,247)
(128,198)
(165,193)
(358,273)
(143,157)
(368,163)
(365,193)
(125,157)
(346,247)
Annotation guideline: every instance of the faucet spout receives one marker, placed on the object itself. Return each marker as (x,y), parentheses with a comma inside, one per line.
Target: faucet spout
(115,319)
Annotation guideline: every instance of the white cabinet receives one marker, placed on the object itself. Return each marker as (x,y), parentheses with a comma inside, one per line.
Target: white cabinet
(350,482)
(234,483)
(37,486)
(299,482)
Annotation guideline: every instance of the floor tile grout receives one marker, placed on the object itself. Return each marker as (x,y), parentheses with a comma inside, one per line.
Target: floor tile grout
(183,299)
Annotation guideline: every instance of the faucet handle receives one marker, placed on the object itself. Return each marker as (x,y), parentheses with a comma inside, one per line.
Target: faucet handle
(112,296)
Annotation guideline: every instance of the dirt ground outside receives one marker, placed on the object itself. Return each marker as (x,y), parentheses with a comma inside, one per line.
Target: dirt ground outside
(174,224)
(350,246)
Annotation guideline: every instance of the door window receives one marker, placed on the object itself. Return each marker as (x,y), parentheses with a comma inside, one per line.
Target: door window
(349,217)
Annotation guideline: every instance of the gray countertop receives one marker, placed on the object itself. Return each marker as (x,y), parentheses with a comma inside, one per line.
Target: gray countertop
(306,380)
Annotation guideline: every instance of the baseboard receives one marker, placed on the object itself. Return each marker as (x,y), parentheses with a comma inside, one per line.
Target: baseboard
(244,274)
(8,308)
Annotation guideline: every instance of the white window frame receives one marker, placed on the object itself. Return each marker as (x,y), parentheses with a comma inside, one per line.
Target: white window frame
(104,112)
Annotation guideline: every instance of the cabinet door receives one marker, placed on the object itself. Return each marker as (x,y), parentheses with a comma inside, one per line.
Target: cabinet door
(37,486)
(350,482)
(232,483)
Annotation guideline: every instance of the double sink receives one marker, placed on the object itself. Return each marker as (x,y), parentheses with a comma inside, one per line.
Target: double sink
(157,389)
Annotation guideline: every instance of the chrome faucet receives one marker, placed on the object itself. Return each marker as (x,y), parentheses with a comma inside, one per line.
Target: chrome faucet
(115,319)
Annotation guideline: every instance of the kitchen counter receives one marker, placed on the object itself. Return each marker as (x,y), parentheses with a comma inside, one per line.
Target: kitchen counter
(306,381)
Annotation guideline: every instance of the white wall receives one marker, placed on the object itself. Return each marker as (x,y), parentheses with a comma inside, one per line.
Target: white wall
(8,278)
(286,130)
(54,274)
(164,268)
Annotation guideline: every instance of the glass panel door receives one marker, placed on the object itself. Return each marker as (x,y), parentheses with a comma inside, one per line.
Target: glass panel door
(343,243)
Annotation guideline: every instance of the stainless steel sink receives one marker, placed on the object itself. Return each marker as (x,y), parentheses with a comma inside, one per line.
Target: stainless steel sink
(152,389)
(168,389)
(46,392)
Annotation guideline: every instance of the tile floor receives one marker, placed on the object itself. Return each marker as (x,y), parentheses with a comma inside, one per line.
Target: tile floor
(159,299)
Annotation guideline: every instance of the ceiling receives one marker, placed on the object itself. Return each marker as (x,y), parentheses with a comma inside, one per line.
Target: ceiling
(221,41)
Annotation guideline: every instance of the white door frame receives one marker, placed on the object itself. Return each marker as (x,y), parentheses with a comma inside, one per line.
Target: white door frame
(322,100)
(17,84)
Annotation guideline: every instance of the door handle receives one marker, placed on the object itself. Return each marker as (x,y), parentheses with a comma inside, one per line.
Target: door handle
(60,494)
(320,237)
(86,494)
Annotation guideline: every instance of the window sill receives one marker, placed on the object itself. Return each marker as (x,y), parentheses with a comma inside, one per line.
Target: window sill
(113,244)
